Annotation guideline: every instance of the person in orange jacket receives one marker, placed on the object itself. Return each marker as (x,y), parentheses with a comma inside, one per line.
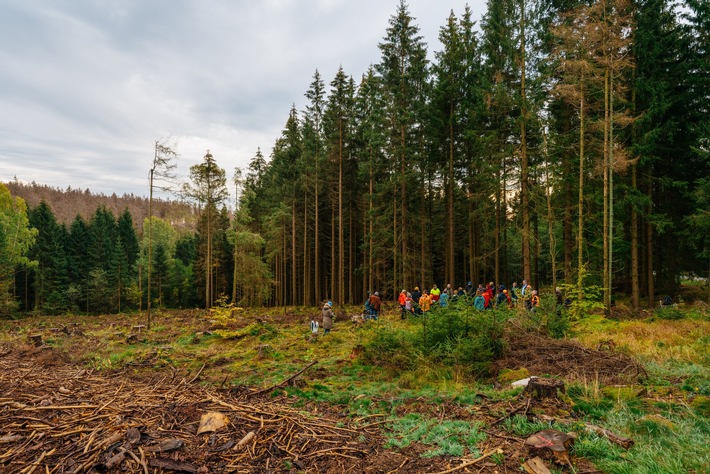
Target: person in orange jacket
(402,300)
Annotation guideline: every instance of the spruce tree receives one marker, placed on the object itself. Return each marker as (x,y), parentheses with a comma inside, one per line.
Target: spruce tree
(50,274)
(208,189)
(403,68)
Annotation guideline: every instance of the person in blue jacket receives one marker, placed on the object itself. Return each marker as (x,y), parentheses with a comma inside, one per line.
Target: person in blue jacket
(479,302)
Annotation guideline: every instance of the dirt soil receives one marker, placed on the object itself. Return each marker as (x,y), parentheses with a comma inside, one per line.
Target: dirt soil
(57,417)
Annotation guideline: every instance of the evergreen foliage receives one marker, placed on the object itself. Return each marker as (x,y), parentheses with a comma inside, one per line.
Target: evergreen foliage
(563,141)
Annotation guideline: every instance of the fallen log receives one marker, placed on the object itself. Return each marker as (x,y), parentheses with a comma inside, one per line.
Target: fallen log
(165,463)
(625,443)
(284,382)
(535,466)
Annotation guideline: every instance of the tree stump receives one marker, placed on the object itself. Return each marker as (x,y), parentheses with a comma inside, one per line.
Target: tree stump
(138,328)
(540,388)
(132,338)
(35,339)
(263,350)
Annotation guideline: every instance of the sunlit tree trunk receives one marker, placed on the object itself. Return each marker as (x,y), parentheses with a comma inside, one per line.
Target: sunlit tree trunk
(524,192)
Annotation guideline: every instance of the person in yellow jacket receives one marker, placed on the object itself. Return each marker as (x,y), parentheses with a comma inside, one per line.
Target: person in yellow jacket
(435,293)
(425,302)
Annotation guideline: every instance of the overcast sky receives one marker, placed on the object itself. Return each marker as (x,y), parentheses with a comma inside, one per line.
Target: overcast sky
(87,86)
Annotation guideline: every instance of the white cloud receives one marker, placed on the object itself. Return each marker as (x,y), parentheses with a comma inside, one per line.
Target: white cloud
(87,86)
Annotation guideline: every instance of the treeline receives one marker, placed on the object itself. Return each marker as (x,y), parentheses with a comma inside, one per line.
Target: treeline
(561,142)
(70,202)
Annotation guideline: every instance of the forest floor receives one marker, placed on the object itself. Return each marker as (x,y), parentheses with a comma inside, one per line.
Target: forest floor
(191,394)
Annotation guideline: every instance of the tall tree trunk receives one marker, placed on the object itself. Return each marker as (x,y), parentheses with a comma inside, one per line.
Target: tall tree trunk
(208,260)
(605,168)
(395,247)
(567,234)
(341,239)
(550,214)
(150,238)
(611,191)
(316,233)
(406,277)
(580,203)
(371,240)
(333,274)
(294,272)
(634,246)
(504,223)
(451,259)
(496,233)
(649,247)
(306,263)
(471,244)
(351,252)
(524,151)
(635,286)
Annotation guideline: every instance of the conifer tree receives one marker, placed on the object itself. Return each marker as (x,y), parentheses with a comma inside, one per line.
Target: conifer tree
(208,189)
(313,154)
(404,71)
(50,274)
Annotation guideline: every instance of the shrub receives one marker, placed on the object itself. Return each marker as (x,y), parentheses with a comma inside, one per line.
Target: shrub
(388,347)
(462,339)
(670,313)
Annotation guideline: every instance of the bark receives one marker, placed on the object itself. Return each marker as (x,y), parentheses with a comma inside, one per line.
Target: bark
(524,153)
(605,168)
(341,239)
(580,203)
(450,260)
(634,235)
(649,249)
(550,215)
(403,212)
(294,272)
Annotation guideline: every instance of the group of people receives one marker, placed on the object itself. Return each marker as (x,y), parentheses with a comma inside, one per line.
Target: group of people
(482,297)
(419,302)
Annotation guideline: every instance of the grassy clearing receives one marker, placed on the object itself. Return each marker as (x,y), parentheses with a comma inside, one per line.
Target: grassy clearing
(400,373)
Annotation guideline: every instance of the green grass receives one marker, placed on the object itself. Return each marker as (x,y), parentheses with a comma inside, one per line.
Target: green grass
(381,373)
(443,437)
(669,445)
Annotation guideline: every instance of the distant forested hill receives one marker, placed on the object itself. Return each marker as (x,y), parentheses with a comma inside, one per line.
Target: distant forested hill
(67,203)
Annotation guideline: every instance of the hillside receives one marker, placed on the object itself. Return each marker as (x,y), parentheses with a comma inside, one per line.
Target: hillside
(67,204)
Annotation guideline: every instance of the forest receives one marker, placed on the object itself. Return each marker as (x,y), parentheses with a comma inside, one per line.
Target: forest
(563,142)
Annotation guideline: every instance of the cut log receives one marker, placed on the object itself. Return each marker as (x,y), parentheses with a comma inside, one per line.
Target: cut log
(540,388)
(535,466)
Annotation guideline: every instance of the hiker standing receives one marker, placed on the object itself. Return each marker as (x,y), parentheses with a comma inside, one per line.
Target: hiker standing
(327,314)
(402,300)
(375,304)
(435,293)
(479,302)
